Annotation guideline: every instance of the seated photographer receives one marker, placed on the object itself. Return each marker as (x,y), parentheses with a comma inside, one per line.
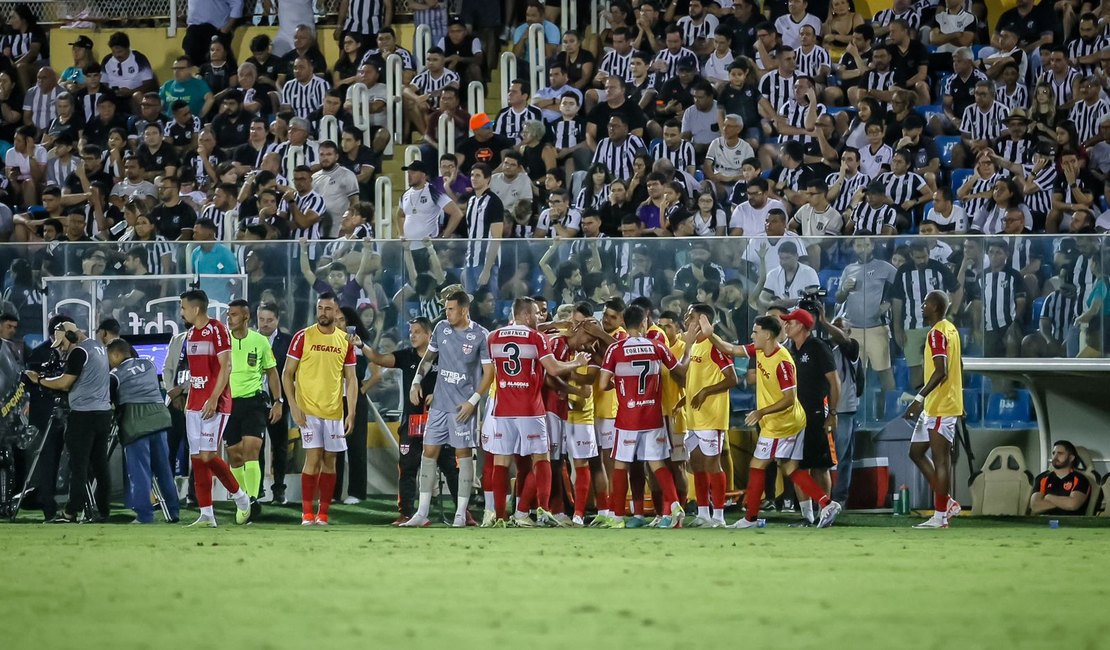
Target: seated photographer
(1061,490)
(144,422)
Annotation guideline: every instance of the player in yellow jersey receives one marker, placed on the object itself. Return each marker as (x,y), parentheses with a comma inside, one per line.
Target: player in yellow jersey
(580,442)
(321,358)
(709,378)
(937,408)
(781,419)
(673,398)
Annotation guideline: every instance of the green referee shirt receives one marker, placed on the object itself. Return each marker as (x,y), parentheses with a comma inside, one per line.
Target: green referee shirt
(251,357)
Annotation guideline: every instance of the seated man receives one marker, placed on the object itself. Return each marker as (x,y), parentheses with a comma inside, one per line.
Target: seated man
(1061,490)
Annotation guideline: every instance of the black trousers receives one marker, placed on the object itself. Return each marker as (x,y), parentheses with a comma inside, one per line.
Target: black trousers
(278,435)
(86,439)
(45,480)
(197,40)
(354,460)
(409,465)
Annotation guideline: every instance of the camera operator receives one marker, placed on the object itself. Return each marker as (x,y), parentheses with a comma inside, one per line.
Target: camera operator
(89,424)
(143,423)
(46,360)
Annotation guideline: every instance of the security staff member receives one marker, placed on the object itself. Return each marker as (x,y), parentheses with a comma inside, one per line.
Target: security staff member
(252,360)
(414,417)
(267,317)
(89,423)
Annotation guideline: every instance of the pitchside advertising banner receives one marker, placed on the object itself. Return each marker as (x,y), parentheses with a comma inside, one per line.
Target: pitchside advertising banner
(147,304)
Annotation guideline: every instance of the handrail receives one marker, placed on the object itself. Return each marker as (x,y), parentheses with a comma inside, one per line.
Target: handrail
(421,45)
(476,98)
(383,207)
(508,73)
(394,81)
(171,26)
(537,57)
(445,135)
(328,129)
(412,154)
(360,110)
(294,157)
(568,15)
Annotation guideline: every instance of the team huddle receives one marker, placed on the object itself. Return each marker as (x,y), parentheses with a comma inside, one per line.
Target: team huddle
(630,401)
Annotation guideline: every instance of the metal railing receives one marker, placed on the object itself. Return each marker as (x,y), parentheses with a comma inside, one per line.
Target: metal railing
(383,207)
(568,15)
(537,57)
(476,98)
(328,129)
(412,154)
(394,82)
(360,111)
(445,135)
(294,157)
(508,73)
(421,46)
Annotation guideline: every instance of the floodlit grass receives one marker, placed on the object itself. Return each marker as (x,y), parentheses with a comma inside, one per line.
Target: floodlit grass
(870,583)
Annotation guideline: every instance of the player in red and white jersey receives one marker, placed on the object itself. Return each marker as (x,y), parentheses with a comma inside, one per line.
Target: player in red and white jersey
(555,402)
(208,348)
(634,367)
(521,356)
(637,476)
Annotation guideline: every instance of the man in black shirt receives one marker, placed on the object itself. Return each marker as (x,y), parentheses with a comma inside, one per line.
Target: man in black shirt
(1061,490)
(616,102)
(909,60)
(106,119)
(819,394)
(1035,24)
(360,159)
(414,417)
(174,218)
(232,125)
(45,360)
(484,146)
(156,156)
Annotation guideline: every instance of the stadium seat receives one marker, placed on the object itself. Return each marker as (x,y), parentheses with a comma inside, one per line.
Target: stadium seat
(1003,486)
(945,144)
(973,407)
(927,111)
(959,176)
(34,340)
(1005,411)
(504,310)
(833,110)
(830,280)
(1038,306)
(976,49)
(577,180)
(901,373)
(741,400)
(1085,466)
(942,78)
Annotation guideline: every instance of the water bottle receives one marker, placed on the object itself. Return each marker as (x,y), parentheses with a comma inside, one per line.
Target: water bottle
(901,501)
(896,503)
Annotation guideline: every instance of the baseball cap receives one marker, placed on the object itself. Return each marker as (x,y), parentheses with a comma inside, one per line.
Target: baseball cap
(83,41)
(479,121)
(788,247)
(65,326)
(418,166)
(801,316)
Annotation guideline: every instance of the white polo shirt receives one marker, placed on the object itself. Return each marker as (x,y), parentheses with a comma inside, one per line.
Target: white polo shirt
(423,214)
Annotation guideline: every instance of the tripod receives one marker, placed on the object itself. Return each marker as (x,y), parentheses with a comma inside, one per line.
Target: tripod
(57,415)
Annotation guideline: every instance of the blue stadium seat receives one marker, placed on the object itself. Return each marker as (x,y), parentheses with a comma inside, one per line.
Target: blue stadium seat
(830,280)
(928,110)
(741,400)
(1038,305)
(973,404)
(941,80)
(973,380)
(504,310)
(833,110)
(34,340)
(946,143)
(976,49)
(959,176)
(1006,411)
(901,373)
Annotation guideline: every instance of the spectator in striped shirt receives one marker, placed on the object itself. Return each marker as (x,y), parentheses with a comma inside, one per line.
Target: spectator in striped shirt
(913,282)
(844,184)
(872,216)
(1004,303)
(618,150)
(305,92)
(668,59)
(510,121)
(1074,192)
(1088,114)
(697,28)
(1061,77)
(813,60)
(1086,52)
(980,124)
(674,148)
(1057,314)
(421,96)
(568,135)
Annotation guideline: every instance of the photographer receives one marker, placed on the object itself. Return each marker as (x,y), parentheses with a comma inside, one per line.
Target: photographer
(44,403)
(89,424)
(143,424)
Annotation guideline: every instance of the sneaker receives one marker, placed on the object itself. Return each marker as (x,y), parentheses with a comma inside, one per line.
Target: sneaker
(500,523)
(599,521)
(203,521)
(677,515)
(399,520)
(767,505)
(308,520)
(744,523)
(666,522)
(545,518)
(489,518)
(459,521)
(654,523)
(62,519)
(321,520)
(562,520)
(615,522)
(243,515)
(700,522)
(717,523)
(577,522)
(788,506)
(828,514)
(352,501)
(256,509)
(635,521)
(522,520)
(933,522)
(417,521)
(953,509)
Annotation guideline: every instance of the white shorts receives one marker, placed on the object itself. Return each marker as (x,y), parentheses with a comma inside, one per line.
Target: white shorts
(518,436)
(321,433)
(606,432)
(653,444)
(442,429)
(487,426)
(944,425)
(579,441)
(556,429)
(709,441)
(204,435)
(780,448)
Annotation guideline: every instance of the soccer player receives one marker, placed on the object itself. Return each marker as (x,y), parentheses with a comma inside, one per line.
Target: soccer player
(637,474)
(608,331)
(708,379)
(208,351)
(634,367)
(937,407)
(464,375)
(580,438)
(252,360)
(781,418)
(674,396)
(520,357)
(555,394)
(320,368)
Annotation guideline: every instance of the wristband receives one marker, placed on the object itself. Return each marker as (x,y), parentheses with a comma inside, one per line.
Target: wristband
(919,398)
(474,399)
(416,380)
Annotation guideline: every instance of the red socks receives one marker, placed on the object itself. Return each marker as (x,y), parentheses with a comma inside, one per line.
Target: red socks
(701,489)
(523,469)
(582,490)
(802,479)
(666,484)
(637,480)
(222,471)
(202,479)
(557,504)
(541,470)
(309,483)
(940,502)
(526,493)
(754,495)
(618,493)
(500,479)
(487,472)
(717,485)
(327,491)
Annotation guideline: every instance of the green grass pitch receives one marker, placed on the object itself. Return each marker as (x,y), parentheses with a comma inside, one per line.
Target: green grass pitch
(869,582)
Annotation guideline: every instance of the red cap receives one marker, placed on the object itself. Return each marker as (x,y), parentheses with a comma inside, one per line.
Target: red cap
(802,316)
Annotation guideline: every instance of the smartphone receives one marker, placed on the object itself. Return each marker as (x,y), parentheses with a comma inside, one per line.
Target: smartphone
(350,330)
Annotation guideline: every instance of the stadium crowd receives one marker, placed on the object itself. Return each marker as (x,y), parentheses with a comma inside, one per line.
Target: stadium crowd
(794,127)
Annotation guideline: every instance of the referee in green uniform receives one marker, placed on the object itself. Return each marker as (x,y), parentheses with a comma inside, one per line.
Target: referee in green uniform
(252,360)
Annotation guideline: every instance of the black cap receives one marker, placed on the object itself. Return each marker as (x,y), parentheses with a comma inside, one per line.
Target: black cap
(455,20)
(260,43)
(419,166)
(686,63)
(83,41)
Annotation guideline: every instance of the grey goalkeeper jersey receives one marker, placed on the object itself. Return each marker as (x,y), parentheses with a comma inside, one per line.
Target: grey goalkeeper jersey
(461,355)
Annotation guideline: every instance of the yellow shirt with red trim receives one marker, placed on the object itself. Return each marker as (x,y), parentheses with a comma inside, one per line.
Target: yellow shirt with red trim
(322,359)
(707,367)
(605,401)
(775,374)
(580,410)
(672,388)
(946,400)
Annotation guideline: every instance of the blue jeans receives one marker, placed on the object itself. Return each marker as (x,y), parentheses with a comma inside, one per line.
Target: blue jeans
(148,459)
(845,449)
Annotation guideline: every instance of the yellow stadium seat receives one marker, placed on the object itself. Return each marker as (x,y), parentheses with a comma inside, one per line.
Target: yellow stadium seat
(1003,486)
